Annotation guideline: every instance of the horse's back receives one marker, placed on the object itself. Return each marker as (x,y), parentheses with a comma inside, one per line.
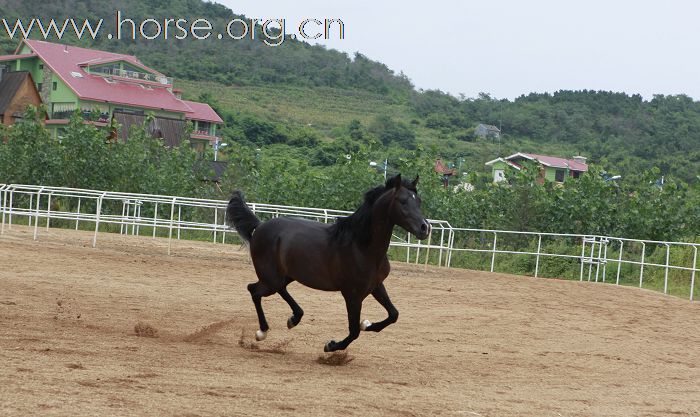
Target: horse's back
(287,226)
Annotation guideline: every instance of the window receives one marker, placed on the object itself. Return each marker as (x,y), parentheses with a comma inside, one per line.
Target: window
(204,128)
(39,86)
(55,86)
(559,175)
(41,66)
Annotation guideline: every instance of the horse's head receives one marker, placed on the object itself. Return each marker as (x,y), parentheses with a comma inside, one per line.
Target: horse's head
(405,207)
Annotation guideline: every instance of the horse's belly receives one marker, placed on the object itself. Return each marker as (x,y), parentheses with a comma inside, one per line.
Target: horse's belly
(312,272)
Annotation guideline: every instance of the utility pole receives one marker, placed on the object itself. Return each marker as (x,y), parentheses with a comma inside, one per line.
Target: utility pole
(218,145)
(500,128)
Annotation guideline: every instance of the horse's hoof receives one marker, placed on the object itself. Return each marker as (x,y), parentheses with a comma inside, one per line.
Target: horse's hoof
(330,346)
(365,325)
(290,322)
(260,335)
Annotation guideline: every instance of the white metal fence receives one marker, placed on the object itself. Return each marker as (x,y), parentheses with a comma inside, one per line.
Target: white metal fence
(169,214)
(447,246)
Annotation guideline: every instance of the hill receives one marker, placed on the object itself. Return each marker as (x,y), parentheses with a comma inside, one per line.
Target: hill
(305,96)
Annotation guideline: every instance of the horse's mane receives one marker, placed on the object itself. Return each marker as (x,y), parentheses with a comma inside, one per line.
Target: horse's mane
(358,226)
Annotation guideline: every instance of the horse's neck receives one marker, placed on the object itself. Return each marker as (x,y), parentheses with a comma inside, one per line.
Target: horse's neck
(382,227)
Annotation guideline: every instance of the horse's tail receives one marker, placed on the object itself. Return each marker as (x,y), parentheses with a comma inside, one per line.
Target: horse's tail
(238,215)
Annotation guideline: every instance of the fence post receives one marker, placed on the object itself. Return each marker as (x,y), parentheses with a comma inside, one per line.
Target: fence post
(408,247)
(641,264)
(583,256)
(36,218)
(133,219)
(493,255)
(417,250)
(179,220)
(9,223)
(137,218)
(225,224)
(600,252)
(138,224)
(48,212)
(605,257)
(4,201)
(216,221)
(155,219)
(668,256)
(539,246)
(427,252)
(77,217)
(619,261)
(97,218)
(590,264)
(692,274)
(451,238)
(170,228)
(121,224)
(442,242)
(31,204)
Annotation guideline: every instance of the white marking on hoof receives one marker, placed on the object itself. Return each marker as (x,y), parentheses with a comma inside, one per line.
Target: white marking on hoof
(365,324)
(260,335)
(290,323)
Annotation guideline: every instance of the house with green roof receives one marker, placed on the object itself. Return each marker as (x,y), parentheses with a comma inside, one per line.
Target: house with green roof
(552,168)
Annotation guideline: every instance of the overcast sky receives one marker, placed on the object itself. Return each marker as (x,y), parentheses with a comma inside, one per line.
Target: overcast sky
(507,47)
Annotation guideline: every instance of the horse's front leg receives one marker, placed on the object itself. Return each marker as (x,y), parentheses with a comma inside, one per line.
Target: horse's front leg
(353,304)
(382,297)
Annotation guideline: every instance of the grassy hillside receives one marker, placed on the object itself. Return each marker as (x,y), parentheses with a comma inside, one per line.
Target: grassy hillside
(330,110)
(323,108)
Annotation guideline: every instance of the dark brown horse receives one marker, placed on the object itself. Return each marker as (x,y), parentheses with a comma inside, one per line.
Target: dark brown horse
(348,256)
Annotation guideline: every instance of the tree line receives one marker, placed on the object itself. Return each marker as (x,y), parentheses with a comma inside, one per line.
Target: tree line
(81,156)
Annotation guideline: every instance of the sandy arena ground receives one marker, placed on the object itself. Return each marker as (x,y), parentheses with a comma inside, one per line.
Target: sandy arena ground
(466,344)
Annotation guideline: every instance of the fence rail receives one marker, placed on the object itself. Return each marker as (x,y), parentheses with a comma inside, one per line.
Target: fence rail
(172,215)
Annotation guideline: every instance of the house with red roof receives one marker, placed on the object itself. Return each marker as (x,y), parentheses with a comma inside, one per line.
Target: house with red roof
(106,87)
(445,170)
(552,168)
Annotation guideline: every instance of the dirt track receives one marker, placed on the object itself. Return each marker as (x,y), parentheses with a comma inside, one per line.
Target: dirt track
(466,344)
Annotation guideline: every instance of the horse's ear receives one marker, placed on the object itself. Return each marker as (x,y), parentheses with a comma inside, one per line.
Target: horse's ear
(394,182)
(415,182)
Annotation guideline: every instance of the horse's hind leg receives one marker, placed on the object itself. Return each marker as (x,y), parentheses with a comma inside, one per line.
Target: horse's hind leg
(297,312)
(382,297)
(257,291)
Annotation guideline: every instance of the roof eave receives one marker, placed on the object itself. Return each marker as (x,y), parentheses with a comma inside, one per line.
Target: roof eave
(203,119)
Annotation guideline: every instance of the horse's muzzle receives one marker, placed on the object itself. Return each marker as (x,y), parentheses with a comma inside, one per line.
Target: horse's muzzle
(425,230)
